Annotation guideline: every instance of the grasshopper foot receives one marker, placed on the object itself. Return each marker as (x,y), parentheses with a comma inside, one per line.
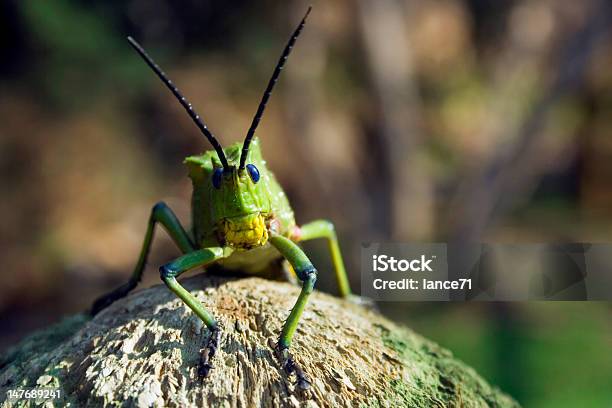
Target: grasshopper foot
(290,366)
(208,352)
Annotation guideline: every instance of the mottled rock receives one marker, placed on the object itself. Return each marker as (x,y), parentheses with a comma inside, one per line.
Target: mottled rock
(143,351)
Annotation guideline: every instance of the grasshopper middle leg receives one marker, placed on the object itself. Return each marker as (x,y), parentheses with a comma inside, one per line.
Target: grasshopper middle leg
(160,213)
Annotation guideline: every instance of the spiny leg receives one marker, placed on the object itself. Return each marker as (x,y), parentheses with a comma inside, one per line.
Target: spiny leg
(170,271)
(159,213)
(306,272)
(325,229)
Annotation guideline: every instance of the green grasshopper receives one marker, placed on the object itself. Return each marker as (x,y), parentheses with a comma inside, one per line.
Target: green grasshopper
(242,220)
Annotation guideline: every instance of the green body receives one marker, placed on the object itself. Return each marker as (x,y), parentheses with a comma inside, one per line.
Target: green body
(239,200)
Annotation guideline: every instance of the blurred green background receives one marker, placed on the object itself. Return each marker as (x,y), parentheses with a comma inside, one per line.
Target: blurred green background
(398,120)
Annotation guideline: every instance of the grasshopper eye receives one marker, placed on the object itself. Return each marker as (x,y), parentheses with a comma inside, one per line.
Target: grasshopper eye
(253,172)
(216,177)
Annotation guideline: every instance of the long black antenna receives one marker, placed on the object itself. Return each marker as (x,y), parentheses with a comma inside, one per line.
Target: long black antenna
(268,91)
(196,118)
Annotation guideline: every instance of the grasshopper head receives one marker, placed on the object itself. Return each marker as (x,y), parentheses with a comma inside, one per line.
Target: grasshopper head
(240,204)
(241,201)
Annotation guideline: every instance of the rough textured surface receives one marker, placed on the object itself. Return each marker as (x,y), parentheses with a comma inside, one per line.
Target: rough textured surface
(143,351)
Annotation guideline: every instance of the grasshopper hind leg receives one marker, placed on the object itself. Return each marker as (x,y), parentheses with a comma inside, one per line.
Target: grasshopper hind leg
(325,229)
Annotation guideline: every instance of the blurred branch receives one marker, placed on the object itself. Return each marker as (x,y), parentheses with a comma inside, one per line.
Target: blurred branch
(305,97)
(387,51)
(493,189)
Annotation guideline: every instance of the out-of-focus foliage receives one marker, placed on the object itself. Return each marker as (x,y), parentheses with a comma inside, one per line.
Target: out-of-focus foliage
(398,120)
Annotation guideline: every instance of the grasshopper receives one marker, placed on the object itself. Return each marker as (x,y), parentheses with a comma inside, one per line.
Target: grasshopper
(241,220)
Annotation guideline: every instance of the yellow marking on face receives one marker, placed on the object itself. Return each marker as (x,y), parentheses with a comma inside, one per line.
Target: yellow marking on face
(245,232)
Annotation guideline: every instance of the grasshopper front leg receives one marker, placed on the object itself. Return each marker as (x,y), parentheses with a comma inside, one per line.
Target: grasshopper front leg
(307,273)
(160,213)
(170,271)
